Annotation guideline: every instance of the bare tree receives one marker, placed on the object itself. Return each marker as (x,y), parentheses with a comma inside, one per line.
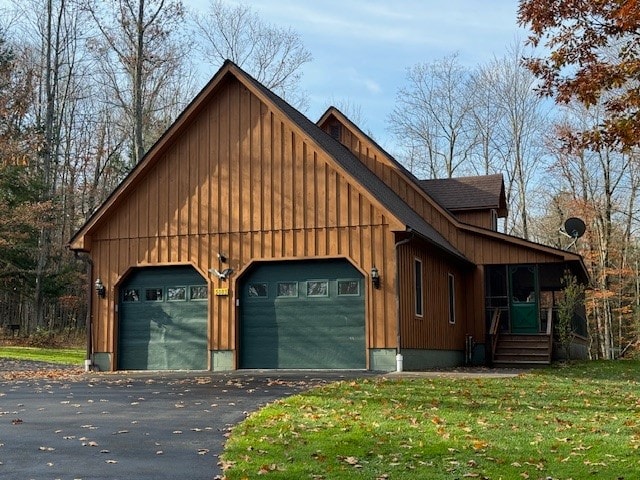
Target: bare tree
(510,142)
(601,186)
(48,36)
(273,55)
(140,53)
(432,118)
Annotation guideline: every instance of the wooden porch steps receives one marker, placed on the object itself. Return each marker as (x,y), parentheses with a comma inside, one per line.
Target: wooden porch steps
(522,350)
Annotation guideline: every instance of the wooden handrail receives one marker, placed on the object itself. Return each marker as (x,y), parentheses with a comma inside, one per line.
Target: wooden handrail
(495,321)
(549,320)
(549,332)
(493,331)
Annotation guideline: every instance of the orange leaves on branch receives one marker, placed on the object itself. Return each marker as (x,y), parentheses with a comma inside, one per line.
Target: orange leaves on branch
(593,58)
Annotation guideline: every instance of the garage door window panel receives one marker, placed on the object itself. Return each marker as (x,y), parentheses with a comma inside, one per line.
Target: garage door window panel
(198,292)
(153,294)
(258,290)
(317,288)
(348,288)
(176,294)
(287,289)
(131,295)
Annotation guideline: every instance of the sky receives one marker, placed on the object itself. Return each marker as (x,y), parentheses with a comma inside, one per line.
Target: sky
(362,48)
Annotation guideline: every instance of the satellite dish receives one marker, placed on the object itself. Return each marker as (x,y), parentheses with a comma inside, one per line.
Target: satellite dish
(574,227)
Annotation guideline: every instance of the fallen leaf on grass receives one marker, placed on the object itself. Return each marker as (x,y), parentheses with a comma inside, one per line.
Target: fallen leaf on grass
(267,468)
(479,445)
(353,461)
(226,465)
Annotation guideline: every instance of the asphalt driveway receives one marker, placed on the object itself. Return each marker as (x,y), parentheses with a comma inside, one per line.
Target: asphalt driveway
(125,426)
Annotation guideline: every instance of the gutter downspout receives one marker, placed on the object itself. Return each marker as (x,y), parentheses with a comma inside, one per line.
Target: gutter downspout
(399,358)
(88,362)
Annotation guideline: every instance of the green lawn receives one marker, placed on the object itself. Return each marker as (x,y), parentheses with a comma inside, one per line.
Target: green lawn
(69,356)
(575,422)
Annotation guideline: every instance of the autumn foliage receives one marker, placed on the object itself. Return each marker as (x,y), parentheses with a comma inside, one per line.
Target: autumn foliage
(591,53)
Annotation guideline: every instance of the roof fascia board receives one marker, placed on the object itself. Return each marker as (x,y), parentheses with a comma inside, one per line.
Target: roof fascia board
(565,255)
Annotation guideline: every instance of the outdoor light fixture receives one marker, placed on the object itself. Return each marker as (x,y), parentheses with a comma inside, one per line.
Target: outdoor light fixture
(100,289)
(375,277)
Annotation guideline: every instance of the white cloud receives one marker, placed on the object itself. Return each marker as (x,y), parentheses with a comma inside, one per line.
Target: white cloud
(362,48)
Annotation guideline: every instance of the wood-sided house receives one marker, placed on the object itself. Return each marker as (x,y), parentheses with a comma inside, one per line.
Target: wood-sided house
(250,237)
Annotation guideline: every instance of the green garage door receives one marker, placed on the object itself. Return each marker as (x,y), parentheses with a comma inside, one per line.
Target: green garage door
(303,314)
(163,320)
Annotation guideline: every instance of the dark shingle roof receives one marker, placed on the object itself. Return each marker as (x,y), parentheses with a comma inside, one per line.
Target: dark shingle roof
(468,193)
(361,173)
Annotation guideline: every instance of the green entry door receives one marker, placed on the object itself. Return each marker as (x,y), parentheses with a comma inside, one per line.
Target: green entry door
(303,314)
(523,281)
(163,320)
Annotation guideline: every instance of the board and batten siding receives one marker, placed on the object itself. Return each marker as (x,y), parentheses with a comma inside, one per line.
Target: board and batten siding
(241,179)
(432,330)
(484,249)
(388,171)
(479,218)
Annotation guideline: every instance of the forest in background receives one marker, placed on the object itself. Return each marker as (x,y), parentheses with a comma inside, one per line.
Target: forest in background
(86,87)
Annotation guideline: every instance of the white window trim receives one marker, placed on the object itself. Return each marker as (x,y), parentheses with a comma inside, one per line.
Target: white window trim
(494,220)
(451,287)
(418,276)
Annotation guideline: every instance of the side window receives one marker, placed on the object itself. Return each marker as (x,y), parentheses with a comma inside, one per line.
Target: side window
(131,295)
(417,274)
(494,220)
(348,288)
(153,294)
(317,288)
(176,294)
(452,299)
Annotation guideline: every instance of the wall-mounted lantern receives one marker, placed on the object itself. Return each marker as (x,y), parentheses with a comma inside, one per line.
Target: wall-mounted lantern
(375,277)
(100,288)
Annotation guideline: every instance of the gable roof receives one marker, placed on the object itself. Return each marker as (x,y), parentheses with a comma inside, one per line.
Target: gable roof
(387,198)
(365,177)
(468,193)
(491,184)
